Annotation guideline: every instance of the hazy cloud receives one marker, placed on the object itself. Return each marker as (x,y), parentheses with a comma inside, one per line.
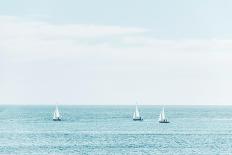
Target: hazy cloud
(43,62)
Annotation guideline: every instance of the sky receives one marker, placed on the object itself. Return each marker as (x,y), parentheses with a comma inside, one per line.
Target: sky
(103,52)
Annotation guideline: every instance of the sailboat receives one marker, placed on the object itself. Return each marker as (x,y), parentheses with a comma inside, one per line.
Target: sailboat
(56,115)
(162,118)
(136,115)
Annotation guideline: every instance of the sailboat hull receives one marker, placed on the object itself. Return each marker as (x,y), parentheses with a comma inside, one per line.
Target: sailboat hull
(56,119)
(164,122)
(137,119)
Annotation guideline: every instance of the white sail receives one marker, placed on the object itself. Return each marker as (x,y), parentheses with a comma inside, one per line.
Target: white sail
(137,112)
(162,117)
(134,116)
(56,114)
(163,114)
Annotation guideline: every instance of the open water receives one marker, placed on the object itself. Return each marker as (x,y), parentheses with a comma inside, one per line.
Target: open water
(107,130)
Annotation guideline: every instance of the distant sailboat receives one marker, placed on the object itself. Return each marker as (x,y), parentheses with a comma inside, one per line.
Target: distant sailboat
(136,115)
(56,115)
(162,118)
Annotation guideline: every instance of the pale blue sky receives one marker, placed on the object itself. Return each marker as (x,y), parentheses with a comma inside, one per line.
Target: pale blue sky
(167,19)
(115,52)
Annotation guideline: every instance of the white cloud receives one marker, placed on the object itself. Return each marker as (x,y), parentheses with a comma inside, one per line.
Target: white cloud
(25,39)
(41,60)
(13,26)
(30,39)
(196,45)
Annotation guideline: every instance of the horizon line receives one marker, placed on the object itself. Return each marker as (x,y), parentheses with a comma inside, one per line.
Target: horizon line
(114,105)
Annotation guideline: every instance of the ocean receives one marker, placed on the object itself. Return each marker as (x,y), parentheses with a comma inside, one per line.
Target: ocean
(108,130)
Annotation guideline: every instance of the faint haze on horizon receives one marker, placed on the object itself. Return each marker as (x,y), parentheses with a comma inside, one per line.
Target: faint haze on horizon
(116,52)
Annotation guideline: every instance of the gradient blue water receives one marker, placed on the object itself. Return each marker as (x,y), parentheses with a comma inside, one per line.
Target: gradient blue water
(110,130)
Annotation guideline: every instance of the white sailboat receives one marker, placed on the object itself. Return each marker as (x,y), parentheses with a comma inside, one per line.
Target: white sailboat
(162,118)
(136,115)
(56,115)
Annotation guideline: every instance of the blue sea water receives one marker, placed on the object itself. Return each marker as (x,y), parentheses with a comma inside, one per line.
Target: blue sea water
(107,130)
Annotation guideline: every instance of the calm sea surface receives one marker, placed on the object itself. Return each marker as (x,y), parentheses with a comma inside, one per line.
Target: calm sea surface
(110,130)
